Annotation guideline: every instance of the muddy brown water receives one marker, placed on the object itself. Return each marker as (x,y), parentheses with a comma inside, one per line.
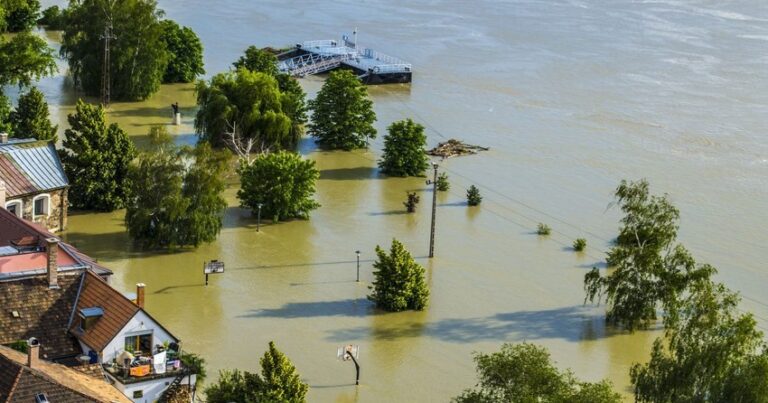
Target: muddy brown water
(571,96)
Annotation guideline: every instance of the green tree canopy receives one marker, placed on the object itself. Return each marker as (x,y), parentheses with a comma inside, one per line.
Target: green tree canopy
(19,15)
(25,57)
(709,353)
(177,194)
(138,55)
(649,270)
(283,182)
(54,18)
(185,53)
(404,150)
(523,373)
(398,280)
(342,114)
(247,103)
(279,382)
(30,119)
(258,60)
(96,158)
(5,115)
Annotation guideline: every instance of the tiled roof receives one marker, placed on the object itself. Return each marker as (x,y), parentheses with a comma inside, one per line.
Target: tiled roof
(118,310)
(59,383)
(29,166)
(41,312)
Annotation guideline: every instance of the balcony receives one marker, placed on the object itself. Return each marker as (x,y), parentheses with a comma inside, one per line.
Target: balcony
(142,369)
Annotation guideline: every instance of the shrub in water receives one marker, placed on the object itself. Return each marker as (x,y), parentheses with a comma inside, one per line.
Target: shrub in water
(543,229)
(579,244)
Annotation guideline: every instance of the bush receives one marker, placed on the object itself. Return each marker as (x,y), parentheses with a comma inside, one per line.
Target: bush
(442,182)
(283,182)
(543,229)
(473,196)
(404,150)
(579,244)
(398,280)
(410,204)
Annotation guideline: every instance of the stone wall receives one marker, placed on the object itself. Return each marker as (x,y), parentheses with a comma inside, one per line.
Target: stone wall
(56,220)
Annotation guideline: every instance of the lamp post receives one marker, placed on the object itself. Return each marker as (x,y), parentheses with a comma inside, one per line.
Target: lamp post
(358,265)
(258,219)
(434,209)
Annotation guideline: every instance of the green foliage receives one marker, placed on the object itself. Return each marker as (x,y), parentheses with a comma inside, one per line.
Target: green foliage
(473,196)
(258,60)
(177,194)
(579,244)
(442,182)
(96,158)
(543,229)
(21,346)
(197,365)
(250,103)
(19,15)
(279,382)
(283,182)
(54,18)
(650,271)
(709,353)
(525,373)
(30,119)
(185,53)
(138,55)
(5,115)
(398,281)
(342,114)
(404,150)
(24,58)
(411,202)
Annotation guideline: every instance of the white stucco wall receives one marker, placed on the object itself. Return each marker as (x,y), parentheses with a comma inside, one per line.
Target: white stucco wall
(139,324)
(151,390)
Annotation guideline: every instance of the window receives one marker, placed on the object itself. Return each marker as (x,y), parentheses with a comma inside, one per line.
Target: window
(137,394)
(139,344)
(15,207)
(41,205)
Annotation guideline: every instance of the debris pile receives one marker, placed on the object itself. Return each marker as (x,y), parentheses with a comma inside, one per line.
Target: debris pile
(455,148)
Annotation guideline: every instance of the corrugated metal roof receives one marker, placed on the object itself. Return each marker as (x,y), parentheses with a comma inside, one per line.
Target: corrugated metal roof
(30,166)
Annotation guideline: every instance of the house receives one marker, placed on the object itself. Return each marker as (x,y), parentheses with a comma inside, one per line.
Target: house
(54,293)
(33,184)
(25,378)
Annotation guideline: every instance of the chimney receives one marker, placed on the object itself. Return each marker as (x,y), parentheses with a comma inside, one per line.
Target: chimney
(2,193)
(3,137)
(140,295)
(33,353)
(52,266)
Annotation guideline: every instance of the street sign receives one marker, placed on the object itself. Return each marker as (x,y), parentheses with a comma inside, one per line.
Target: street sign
(213,267)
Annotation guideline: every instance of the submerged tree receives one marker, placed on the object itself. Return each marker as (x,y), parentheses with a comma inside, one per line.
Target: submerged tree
(399,282)
(342,114)
(53,18)
(283,183)
(30,119)
(649,270)
(185,53)
(19,15)
(96,158)
(5,115)
(525,373)
(24,58)
(474,198)
(257,60)
(138,55)
(279,382)
(404,150)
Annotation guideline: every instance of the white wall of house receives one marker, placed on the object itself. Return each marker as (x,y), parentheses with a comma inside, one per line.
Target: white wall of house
(140,324)
(150,390)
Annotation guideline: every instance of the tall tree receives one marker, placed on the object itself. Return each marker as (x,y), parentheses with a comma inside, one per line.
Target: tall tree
(342,114)
(96,158)
(20,15)
(177,194)
(30,119)
(24,58)
(5,115)
(398,280)
(404,149)
(282,182)
(649,270)
(279,382)
(258,60)
(522,373)
(185,53)
(248,104)
(138,55)
(709,353)
(53,18)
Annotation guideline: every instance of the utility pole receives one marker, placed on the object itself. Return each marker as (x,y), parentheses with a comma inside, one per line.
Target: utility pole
(434,210)
(358,265)
(105,79)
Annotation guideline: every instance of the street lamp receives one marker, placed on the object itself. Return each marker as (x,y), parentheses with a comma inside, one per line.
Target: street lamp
(258,219)
(358,265)
(434,209)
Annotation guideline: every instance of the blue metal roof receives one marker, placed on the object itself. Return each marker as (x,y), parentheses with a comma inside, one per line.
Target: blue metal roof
(38,162)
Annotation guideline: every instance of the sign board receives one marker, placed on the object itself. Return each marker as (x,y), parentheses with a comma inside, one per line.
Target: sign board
(213,267)
(343,352)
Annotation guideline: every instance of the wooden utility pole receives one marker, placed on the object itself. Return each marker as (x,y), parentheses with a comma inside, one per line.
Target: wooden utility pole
(434,209)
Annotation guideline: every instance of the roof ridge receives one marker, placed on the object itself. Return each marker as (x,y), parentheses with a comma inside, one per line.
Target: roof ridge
(16,381)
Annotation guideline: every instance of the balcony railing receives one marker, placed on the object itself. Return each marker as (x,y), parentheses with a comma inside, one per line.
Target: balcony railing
(145,370)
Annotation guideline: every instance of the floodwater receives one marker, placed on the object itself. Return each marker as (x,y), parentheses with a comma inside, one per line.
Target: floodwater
(571,96)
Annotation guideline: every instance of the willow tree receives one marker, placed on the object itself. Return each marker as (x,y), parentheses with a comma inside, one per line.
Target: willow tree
(138,54)
(243,105)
